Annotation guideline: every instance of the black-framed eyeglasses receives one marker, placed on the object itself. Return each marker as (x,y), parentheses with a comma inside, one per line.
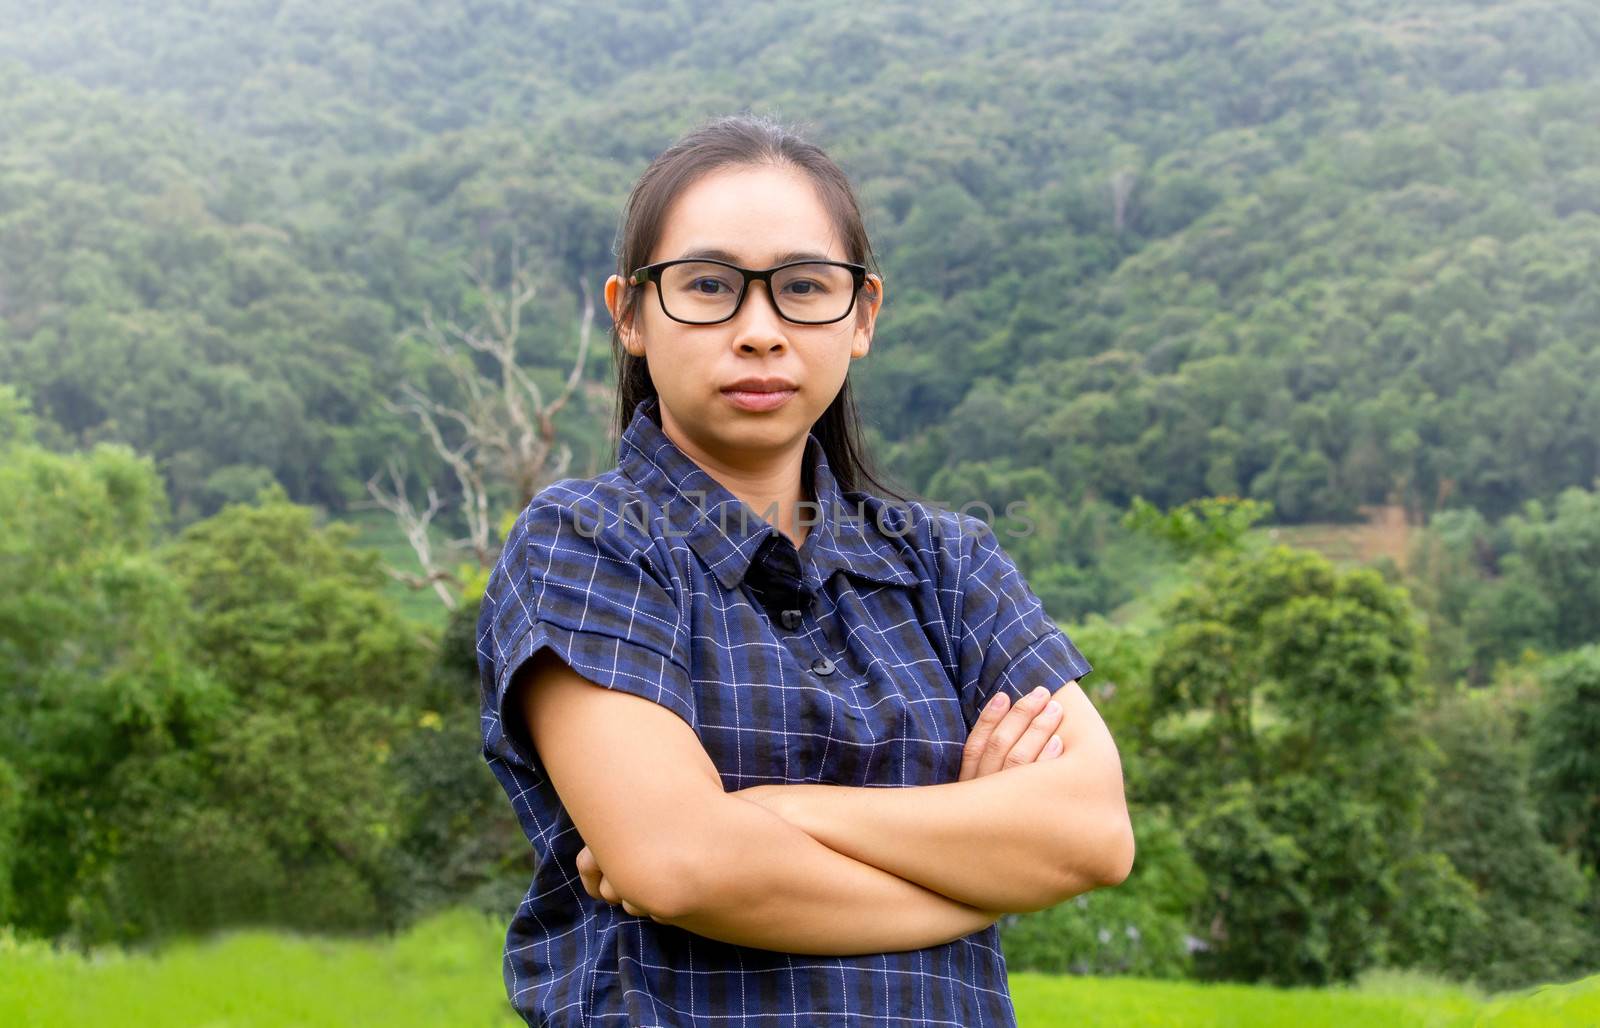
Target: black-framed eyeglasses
(703,291)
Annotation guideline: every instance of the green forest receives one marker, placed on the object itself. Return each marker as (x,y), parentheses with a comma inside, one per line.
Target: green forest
(1282,317)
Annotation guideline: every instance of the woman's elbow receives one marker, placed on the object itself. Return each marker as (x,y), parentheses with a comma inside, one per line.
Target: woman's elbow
(701,862)
(1119,852)
(1104,859)
(662,881)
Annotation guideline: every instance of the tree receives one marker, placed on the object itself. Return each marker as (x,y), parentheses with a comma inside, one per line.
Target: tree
(1484,816)
(1283,703)
(97,679)
(500,436)
(1566,754)
(285,810)
(1204,527)
(1560,555)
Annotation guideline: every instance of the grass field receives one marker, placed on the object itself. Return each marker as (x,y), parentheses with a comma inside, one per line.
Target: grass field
(446,971)
(1385,533)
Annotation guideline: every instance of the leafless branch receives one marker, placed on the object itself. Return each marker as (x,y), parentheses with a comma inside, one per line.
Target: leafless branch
(502,436)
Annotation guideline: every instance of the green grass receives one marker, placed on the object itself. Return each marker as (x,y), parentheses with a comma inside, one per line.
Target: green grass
(380,532)
(1049,1000)
(446,971)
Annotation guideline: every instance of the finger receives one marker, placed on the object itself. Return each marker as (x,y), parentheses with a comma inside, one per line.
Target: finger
(607,892)
(1010,729)
(589,873)
(635,911)
(1040,732)
(978,738)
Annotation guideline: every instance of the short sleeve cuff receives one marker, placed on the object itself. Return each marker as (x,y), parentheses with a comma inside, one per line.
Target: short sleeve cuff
(1051,660)
(603,659)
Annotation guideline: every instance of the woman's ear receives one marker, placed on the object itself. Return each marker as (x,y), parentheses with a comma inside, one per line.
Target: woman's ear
(870,301)
(616,295)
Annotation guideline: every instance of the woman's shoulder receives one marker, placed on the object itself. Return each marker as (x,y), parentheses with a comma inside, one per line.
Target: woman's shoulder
(908,517)
(937,538)
(606,512)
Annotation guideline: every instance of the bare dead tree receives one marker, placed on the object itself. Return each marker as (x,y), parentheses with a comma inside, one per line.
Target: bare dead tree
(1126,162)
(1122,183)
(415,527)
(503,435)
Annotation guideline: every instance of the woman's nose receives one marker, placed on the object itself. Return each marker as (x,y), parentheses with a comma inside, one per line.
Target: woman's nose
(760,323)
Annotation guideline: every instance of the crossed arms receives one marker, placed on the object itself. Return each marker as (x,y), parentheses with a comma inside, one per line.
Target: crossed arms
(823,869)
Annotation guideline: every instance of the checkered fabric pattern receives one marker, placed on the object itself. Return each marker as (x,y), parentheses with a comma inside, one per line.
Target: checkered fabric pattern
(861,659)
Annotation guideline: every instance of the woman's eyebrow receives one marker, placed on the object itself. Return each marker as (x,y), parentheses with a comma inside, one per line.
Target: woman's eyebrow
(718,254)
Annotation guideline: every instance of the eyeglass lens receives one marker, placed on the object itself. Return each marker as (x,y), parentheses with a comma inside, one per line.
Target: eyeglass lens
(704,292)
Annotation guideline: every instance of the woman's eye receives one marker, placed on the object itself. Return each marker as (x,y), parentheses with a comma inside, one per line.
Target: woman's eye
(714,284)
(810,287)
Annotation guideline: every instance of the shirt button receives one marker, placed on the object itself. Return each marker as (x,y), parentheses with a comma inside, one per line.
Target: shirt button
(822,666)
(791,619)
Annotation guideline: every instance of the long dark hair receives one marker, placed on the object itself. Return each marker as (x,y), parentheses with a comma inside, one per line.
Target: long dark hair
(731,141)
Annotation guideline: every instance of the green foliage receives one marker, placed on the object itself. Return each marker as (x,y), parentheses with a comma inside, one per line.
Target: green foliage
(1276,660)
(1077,559)
(97,681)
(11,809)
(289,613)
(1483,817)
(1558,557)
(1530,584)
(1283,696)
(1300,878)
(294,822)
(456,838)
(1203,527)
(216,712)
(16,423)
(1566,755)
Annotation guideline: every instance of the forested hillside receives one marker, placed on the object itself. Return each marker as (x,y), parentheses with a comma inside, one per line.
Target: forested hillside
(1324,254)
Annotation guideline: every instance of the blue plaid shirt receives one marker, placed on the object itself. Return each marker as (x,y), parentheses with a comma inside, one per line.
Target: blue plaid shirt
(861,659)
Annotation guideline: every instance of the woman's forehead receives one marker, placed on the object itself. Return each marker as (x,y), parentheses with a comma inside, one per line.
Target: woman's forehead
(757,216)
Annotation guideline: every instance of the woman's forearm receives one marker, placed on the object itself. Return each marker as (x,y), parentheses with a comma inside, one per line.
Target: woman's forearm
(1019,841)
(763,882)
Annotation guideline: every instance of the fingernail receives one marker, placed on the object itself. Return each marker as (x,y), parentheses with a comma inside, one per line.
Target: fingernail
(996,700)
(1039,693)
(1052,708)
(1053,747)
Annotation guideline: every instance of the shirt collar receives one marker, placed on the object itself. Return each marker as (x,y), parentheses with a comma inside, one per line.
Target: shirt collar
(702,510)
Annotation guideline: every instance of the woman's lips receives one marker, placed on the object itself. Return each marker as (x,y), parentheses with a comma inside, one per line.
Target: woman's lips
(746,400)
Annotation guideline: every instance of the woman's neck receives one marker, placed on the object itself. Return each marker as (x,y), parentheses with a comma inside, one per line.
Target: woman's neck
(769,483)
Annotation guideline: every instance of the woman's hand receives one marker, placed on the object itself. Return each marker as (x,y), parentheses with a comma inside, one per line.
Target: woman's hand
(1009,738)
(596,885)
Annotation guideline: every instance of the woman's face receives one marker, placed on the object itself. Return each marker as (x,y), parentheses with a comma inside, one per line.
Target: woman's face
(757,215)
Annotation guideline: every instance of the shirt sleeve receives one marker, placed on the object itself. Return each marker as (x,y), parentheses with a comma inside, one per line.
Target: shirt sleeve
(569,582)
(1007,642)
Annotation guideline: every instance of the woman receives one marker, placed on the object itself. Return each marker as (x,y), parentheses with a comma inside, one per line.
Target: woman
(740,706)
